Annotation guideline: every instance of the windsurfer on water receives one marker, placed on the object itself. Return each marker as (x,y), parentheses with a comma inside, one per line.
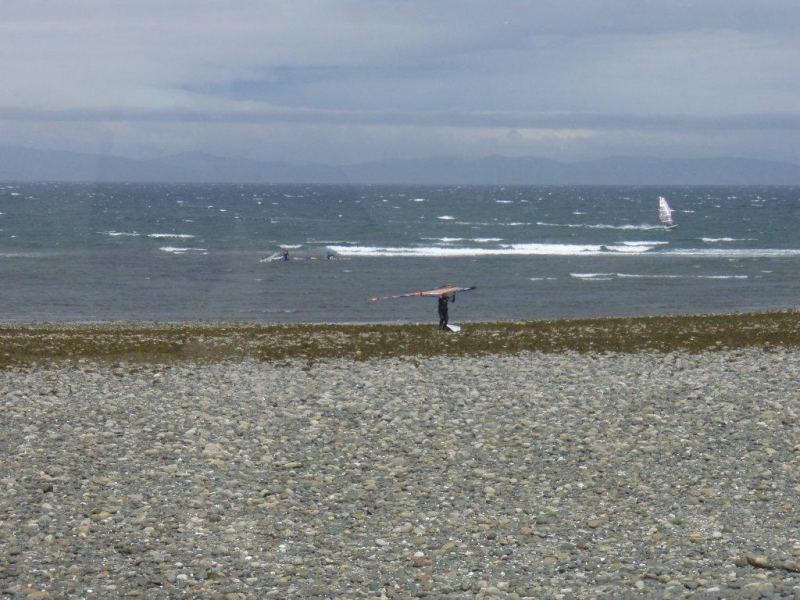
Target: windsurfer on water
(443,300)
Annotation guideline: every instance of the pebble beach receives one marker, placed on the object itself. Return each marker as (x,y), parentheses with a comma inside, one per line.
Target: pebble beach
(507,474)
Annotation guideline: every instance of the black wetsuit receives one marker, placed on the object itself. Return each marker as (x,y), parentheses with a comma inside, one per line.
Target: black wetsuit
(443,300)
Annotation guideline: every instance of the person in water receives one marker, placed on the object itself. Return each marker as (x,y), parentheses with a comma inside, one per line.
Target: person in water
(443,300)
(285,252)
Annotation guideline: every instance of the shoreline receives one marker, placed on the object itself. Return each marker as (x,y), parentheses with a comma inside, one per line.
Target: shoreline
(151,342)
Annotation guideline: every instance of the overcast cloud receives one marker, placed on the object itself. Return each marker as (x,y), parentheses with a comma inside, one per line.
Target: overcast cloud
(347,81)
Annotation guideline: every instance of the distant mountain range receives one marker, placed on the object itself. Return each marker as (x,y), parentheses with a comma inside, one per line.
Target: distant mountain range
(25,164)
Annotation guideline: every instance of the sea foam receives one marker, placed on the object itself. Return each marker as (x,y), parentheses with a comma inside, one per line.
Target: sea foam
(627,227)
(611,276)
(530,249)
(170,235)
(176,250)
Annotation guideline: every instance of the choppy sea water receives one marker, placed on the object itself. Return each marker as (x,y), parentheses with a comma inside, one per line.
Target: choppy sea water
(174,252)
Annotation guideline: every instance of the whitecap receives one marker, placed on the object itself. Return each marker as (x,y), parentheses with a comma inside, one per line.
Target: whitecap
(446,218)
(177,250)
(726,239)
(170,235)
(609,276)
(446,240)
(733,253)
(326,242)
(528,249)
(28,254)
(643,243)
(593,276)
(120,233)
(646,276)
(642,227)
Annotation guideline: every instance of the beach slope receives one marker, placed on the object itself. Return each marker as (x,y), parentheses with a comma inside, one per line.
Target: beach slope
(573,469)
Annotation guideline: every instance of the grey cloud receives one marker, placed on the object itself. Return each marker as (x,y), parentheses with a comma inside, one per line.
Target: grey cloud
(451,67)
(476,119)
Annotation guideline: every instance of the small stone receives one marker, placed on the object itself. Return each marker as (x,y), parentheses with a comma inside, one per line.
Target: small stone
(448,547)
(758,560)
(421,561)
(791,565)
(212,449)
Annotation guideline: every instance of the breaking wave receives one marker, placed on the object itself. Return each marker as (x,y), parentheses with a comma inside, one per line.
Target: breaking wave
(635,248)
(642,227)
(610,276)
(176,250)
(733,252)
(181,236)
(120,233)
(502,250)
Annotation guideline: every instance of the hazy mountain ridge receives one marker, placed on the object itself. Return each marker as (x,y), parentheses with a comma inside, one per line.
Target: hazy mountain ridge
(24,164)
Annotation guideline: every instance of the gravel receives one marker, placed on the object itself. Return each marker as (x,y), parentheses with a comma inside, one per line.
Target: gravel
(511,476)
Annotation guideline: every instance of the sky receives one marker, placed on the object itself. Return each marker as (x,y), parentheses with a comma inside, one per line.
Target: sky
(348,81)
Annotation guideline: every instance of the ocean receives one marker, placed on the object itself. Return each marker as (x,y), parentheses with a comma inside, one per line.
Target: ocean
(189,252)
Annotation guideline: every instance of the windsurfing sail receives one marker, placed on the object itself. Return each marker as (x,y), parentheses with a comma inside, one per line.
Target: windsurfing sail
(434,293)
(665,212)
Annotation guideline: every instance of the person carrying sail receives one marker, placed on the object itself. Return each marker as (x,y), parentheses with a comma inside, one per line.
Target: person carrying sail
(443,300)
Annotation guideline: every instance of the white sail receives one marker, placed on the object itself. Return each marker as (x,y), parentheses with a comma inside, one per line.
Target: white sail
(664,212)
